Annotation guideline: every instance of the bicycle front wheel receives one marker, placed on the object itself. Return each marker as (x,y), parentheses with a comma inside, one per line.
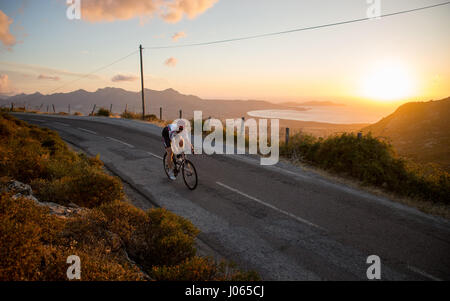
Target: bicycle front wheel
(190,175)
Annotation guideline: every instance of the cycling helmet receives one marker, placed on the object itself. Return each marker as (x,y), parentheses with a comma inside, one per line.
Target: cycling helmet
(180,125)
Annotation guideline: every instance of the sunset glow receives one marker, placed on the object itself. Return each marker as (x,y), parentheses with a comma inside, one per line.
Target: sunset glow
(388,82)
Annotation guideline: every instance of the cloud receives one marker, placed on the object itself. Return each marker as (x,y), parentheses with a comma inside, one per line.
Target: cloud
(5,85)
(49,77)
(6,37)
(170,11)
(123,78)
(178,35)
(11,66)
(192,8)
(171,62)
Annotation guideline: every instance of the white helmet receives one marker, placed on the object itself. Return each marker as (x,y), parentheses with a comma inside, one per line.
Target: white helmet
(180,125)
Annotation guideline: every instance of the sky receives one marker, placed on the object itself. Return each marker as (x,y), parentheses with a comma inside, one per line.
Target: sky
(384,61)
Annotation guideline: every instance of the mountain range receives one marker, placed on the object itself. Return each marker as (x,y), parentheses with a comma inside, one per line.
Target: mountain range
(170,100)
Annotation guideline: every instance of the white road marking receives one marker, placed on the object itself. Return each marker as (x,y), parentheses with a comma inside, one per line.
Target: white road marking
(38,120)
(124,143)
(270,206)
(60,123)
(156,156)
(292,173)
(426,275)
(88,131)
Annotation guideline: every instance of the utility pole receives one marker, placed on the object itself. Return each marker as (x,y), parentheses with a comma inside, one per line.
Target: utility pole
(142,83)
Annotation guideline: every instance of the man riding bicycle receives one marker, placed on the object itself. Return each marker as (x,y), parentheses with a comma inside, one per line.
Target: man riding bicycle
(168,134)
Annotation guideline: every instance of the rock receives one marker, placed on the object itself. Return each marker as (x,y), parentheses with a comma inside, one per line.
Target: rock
(22,190)
(19,188)
(60,210)
(30,197)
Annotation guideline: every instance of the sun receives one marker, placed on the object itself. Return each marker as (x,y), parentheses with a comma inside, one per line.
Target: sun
(388,82)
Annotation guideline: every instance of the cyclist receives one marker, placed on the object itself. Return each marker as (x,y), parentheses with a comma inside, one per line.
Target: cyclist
(168,133)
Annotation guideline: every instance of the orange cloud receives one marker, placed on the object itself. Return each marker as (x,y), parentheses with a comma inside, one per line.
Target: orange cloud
(192,8)
(6,37)
(49,77)
(178,35)
(171,62)
(5,86)
(123,78)
(170,11)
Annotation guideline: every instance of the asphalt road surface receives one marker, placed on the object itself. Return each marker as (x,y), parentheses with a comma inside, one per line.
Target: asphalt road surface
(285,223)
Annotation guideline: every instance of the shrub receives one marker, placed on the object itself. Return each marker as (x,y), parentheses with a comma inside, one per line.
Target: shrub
(156,237)
(35,246)
(88,189)
(201,269)
(369,160)
(40,158)
(103,112)
(131,115)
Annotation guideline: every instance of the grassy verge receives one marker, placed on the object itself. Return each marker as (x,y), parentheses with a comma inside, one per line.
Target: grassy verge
(114,239)
(374,163)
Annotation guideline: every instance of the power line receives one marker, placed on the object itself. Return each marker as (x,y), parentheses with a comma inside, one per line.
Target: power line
(95,71)
(295,30)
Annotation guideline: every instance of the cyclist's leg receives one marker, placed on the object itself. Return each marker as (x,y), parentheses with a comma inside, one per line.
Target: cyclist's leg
(167,146)
(169,157)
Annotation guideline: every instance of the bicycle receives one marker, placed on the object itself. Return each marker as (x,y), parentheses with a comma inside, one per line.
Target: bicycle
(185,166)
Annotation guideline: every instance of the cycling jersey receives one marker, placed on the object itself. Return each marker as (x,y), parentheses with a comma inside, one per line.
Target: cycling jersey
(168,133)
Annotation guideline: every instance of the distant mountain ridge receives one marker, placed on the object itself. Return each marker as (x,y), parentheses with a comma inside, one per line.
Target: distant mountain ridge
(170,100)
(420,130)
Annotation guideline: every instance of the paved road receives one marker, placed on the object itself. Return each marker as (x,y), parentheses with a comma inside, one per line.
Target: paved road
(283,222)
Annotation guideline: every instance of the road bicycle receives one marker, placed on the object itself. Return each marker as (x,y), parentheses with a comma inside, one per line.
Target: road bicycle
(183,165)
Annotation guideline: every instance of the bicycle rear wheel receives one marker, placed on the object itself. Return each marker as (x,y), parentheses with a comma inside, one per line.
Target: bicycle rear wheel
(190,175)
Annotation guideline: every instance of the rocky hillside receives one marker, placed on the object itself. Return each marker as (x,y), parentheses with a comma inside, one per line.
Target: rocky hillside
(418,130)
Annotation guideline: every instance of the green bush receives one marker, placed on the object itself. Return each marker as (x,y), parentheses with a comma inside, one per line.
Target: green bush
(40,158)
(103,112)
(156,237)
(369,160)
(131,115)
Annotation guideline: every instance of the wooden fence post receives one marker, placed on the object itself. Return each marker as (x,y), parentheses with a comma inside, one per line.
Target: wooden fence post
(287,136)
